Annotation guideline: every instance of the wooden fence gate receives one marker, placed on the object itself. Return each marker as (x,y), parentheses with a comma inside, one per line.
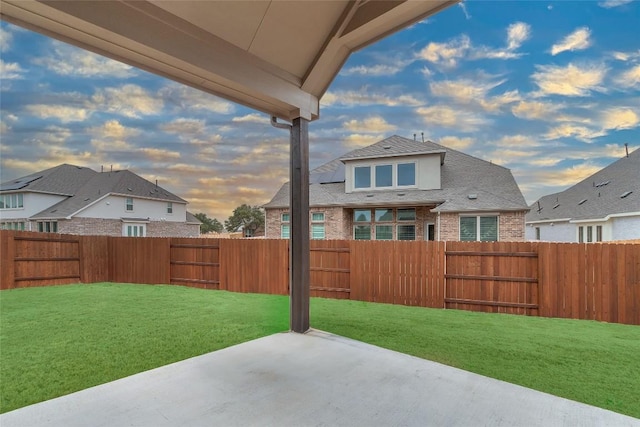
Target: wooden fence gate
(492,277)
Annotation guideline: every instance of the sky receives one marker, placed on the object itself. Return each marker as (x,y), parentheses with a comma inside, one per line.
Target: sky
(550,90)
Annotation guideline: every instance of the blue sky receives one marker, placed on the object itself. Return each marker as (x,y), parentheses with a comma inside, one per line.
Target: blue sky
(550,90)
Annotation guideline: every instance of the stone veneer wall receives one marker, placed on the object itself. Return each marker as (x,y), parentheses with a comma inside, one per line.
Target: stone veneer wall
(113,227)
(510,226)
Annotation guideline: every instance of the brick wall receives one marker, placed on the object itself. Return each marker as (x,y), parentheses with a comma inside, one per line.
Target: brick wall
(334,219)
(113,227)
(510,226)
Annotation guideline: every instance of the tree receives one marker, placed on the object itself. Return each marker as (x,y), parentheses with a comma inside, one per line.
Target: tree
(245,217)
(209,224)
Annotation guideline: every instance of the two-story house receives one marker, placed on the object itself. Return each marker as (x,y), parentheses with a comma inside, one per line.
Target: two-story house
(78,200)
(401,189)
(602,207)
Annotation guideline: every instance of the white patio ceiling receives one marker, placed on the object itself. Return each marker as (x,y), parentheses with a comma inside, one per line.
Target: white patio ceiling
(278,57)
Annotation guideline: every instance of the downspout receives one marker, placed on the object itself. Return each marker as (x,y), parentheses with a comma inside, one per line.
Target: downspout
(438,221)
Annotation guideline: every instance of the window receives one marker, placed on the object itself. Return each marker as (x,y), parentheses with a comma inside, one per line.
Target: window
(317,228)
(598,233)
(11,201)
(129,204)
(406,174)
(384,177)
(362,215)
(169,207)
(285,217)
(285,231)
(580,234)
(317,231)
(134,230)
(537,233)
(407,214)
(384,232)
(589,234)
(430,231)
(383,215)
(362,232)
(12,226)
(480,228)
(48,226)
(406,232)
(362,175)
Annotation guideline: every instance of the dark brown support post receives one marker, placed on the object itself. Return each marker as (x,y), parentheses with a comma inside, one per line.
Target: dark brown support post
(299,244)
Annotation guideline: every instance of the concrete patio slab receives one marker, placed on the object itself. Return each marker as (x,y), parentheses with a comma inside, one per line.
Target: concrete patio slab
(316,379)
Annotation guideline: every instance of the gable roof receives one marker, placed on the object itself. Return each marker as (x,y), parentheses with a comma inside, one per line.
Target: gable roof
(601,193)
(461,175)
(84,187)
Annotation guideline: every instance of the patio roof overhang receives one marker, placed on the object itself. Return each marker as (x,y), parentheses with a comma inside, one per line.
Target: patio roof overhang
(278,57)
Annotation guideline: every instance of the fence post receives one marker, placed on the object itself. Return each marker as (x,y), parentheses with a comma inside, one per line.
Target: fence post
(7,252)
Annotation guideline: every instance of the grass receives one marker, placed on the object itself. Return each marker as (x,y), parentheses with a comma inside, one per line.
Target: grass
(56,340)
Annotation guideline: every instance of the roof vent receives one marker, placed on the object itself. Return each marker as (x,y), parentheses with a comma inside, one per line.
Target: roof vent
(87,199)
(129,188)
(625,194)
(472,196)
(556,205)
(582,201)
(55,210)
(401,194)
(386,147)
(369,195)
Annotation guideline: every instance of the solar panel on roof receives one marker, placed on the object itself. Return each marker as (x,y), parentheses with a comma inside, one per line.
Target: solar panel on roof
(18,184)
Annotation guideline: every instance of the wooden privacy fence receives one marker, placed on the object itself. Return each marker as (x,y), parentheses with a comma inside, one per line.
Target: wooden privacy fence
(570,280)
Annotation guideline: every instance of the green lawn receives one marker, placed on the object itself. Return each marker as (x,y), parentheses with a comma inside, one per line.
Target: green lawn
(56,340)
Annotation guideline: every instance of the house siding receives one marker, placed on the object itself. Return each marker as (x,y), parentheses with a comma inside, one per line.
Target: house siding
(625,228)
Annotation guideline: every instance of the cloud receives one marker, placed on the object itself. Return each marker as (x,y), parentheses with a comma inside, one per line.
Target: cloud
(608,4)
(11,70)
(128,100)
(111,145)
(159,155)
(474,92)
(572,80)
(446,54)
(113,129)
(64,113)
(568,130)
(4,128)
(535,110)
(358,140)
(455,142)
(620,118)
(184,126)
(463,7)
(183,97)
(518,141)
(6,37)
(567,176)
(447,117)
(252,118)
(517,33)
(629,78)
(69,60)
(375,124)
(578,40)
(625,56)
(364,96)
(374,70)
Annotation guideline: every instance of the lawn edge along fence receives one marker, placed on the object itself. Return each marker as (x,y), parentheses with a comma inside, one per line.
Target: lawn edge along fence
(568,280)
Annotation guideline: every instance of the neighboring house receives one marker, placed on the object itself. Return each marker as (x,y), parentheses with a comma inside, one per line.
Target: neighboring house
(602,207)
(401,189)
(78,200)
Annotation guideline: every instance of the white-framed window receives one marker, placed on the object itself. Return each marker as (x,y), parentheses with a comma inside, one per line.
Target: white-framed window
(134,230)
(589,233)
(385,175)
(479,228)
(362,232)
(169,207)
(537,233)
(128,204)
(384,232)
(48,226)
(406,231)
(317,225)
(11,201)
(407,214)
(285,217)
(13,225)
(285,231)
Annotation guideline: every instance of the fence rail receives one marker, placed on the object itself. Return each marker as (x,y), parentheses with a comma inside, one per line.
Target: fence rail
(570,280)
